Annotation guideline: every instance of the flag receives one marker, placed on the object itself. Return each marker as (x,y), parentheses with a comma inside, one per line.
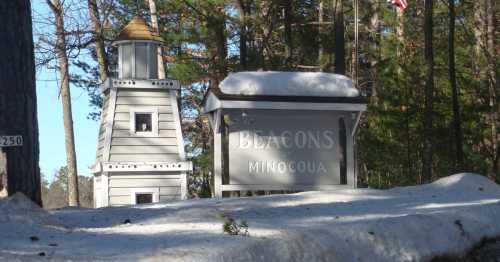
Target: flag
(401,4)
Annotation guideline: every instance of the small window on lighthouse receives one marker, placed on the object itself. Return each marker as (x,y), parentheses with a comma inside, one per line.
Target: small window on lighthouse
(143,122)
(143,198)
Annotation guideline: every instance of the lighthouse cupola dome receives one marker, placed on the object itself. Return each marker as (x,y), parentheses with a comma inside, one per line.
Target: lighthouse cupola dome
(137,51)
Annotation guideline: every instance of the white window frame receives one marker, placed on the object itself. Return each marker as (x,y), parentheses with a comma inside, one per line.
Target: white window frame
(154,120)
(155,191)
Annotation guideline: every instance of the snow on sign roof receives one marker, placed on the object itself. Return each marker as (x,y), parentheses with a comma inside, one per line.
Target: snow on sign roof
(273,83)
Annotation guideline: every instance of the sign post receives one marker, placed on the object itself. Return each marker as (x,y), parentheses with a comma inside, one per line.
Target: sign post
(3,173)
(5,142)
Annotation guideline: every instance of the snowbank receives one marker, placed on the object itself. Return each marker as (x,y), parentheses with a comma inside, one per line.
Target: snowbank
(21,210)
(288,84)
(415,223)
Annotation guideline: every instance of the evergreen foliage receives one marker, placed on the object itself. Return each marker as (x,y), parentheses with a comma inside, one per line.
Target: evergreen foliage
(55,193)
(205,40)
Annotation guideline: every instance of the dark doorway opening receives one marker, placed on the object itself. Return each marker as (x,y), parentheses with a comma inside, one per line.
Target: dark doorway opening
(342,152)
(143,198)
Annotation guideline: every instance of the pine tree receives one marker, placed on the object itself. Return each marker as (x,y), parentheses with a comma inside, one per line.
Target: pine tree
(69,135)
(18,99)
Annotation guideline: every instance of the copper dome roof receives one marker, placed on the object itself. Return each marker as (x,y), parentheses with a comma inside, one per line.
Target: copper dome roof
(137,29)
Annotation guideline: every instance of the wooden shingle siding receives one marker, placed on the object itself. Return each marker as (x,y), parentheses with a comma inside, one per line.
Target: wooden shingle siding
(145,158)
(145,141)
(127,146)
(126,133)
(99,151)
(166,125)
(134,93)
(102,129)
(143,149)
(119,200)
(119,191)
(125,125)
(145,174)
(121,125)
(124,145)
(162,117)
(168,191)
(126,108)
(143,182)
(141,100)
(170,198)
(126,191)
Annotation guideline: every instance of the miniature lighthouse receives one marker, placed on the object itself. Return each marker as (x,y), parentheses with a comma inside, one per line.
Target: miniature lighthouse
(140,154)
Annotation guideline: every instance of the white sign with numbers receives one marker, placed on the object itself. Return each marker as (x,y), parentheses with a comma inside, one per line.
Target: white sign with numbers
(6,141)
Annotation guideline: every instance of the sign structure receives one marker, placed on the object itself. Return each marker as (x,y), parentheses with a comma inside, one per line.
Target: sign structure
(300,150)
(291,131)
(9,141)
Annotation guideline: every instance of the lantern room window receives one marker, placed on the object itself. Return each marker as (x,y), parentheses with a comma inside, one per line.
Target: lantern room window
(138,60)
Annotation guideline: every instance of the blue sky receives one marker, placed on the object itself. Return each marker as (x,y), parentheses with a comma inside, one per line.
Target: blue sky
(50,121)
(51,130)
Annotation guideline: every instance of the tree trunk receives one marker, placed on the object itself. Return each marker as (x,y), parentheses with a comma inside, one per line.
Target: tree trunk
(321,49)
(485,72)
(3,174)
(479,29)
(154,25)
(493,86)
(457,123)
(374,56)
(216,24)
(60,48)
(355,47)
(99,40)
(429,94)
(338,28)
(408,90)
(244,7)
(18,99)
(287,20)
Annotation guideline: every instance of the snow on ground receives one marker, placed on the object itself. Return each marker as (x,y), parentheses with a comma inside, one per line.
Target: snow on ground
(415,223)
(273,83)
(20,210)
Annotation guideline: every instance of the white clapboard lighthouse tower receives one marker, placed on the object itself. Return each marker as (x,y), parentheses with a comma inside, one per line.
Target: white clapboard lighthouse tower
(140,154)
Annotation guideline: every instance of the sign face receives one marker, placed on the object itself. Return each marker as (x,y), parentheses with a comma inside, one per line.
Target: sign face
(276,147)
(7,141)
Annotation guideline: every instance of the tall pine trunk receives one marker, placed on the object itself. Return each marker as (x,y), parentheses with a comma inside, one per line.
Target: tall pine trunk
(155,26)
(400,44)
(98,39)
(244,9)
(18,99)
(429,93)
(479,28)
(485,64)
(287,21)
(338,31)
(374,56)
(321,46)
(457,123)
(60,48)
(217,47)
(493,87)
